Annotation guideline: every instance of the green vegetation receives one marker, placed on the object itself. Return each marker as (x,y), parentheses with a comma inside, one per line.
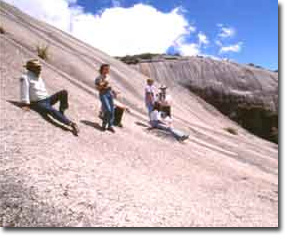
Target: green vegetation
(2,30)
(42,52)
(146,57)
(256,66)
(231,130)
(129,60)
(137,58)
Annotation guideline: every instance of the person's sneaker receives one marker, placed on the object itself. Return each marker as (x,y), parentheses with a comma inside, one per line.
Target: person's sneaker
(185,137)
(100,115)
(111,129)
(103,127)
(75,129)
(120,125)
(62,111)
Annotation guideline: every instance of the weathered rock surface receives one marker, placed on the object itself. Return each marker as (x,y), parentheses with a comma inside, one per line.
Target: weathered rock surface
(48,177)
(226,85)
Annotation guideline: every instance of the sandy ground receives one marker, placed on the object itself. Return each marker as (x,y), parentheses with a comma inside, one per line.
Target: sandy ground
(133,178)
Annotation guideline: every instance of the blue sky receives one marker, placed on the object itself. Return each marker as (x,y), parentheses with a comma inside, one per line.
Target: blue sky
(245,31)
(255,23)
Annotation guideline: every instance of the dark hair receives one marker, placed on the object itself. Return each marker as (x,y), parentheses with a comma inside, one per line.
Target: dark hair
(103,66)
(156,106)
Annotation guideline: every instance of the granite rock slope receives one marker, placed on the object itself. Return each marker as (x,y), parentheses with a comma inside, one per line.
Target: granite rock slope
(242,92)
(136,177)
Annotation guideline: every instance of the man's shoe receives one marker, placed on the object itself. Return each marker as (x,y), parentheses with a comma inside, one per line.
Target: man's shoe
(183,138)
(111,129)
(103,127)
(100,115)
(62,110)
(75,129)
(120,125)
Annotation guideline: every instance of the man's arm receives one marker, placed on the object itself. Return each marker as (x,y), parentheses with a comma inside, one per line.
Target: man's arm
(102,85)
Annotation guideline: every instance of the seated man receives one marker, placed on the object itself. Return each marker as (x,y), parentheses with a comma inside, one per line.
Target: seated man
(34,95)
(159,123)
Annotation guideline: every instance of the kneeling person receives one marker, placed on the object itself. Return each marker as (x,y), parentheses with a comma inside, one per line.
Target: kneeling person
(165,101)
(34,95)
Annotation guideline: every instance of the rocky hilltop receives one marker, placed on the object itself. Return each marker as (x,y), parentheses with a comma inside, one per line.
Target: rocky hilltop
(136,177)
(247,94)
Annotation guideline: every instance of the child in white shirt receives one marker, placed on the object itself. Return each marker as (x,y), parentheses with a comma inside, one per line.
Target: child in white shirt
(150,95)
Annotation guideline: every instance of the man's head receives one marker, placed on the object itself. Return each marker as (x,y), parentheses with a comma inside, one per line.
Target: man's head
(150,81)
(34,66)
(104,69)
(163,88)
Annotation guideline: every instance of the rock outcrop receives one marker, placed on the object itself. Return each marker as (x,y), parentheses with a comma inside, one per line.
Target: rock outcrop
(246,93)
(136,177)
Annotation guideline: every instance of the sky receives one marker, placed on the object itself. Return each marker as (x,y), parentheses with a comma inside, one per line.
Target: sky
(245,31)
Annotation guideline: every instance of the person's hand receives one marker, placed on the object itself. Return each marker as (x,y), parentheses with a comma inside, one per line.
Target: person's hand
(104,84)
(25,108)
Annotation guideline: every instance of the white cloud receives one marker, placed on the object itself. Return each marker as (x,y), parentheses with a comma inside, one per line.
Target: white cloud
(203,39)
(231,48)
(54,12)
(226,32)
(186,49)
(117,31)
(218,43)
(222,40)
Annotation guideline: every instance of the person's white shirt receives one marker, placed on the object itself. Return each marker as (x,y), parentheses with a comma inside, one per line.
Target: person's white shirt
(155,115)
(150,89)
(32,88)
(102,77)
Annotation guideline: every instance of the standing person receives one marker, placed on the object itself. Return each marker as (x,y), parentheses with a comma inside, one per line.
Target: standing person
(106,95)
(158,122)
(165,101)
(150,95)
(34,95)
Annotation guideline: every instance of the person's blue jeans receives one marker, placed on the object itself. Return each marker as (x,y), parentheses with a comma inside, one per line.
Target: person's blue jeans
(46,106)
(159,125)
(150,107)
(107,103)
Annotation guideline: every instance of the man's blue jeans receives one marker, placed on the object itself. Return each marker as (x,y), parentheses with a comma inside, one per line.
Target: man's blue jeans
(107,103)
(159,125)
(46,106)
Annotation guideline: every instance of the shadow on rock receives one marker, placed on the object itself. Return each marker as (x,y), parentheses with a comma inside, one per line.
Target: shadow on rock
(143,124)
(92,124)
